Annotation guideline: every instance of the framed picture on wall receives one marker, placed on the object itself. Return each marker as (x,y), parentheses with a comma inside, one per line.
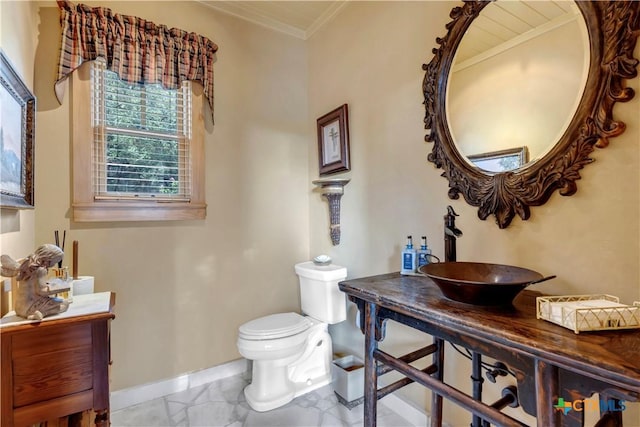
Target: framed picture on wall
(333,141)
(17,127)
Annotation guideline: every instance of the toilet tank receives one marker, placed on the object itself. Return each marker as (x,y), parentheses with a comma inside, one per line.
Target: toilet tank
(320,296)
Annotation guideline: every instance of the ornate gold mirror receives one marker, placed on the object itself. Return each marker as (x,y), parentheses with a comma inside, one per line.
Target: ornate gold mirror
(503,163)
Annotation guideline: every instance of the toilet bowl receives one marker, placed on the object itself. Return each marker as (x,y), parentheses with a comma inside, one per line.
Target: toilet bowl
(285,366)
(292,353)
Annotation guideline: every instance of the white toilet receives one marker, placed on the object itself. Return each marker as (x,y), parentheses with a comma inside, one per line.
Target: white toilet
(292,353)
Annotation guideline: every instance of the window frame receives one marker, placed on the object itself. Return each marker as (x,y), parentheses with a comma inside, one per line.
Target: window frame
(85,206)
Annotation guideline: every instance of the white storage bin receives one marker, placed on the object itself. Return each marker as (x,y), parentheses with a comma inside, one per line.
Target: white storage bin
(348,377)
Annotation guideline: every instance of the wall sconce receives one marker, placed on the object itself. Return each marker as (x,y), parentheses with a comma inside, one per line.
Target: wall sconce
(333,189)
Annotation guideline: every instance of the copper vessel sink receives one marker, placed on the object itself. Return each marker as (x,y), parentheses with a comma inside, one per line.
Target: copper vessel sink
(479,283)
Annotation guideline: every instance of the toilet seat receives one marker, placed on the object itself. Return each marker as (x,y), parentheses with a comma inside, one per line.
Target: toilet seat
(274,326)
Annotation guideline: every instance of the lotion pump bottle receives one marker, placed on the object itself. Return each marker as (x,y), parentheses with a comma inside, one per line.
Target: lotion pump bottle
(408,258)
(423,253)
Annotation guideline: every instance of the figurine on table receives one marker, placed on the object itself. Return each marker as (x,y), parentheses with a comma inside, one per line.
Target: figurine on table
(33,299)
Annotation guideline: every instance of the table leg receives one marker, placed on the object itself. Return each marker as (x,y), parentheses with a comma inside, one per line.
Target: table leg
(102,418)
(547,386)
(609,418)
(436,399)
(370,374)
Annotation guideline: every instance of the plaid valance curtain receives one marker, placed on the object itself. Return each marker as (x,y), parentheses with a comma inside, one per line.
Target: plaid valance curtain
(138,50)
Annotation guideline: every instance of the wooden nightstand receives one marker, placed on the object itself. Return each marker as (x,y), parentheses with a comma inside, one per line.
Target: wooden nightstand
(59,366)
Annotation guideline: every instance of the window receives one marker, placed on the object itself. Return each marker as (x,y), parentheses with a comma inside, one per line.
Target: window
(141,138)
(141,146)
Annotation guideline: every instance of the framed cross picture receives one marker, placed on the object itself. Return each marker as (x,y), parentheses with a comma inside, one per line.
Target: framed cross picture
(333,141)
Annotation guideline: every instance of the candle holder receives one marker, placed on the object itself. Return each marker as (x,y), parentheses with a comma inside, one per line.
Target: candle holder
(332,190)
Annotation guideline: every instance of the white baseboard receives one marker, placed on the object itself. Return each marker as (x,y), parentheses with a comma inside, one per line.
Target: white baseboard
(120,399)
(415,416)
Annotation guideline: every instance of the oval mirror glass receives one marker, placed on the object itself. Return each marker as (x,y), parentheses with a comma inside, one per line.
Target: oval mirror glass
(516,82)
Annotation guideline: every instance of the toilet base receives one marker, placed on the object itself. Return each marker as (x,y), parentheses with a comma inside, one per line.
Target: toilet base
(277,382)
(262,405)
(313,384)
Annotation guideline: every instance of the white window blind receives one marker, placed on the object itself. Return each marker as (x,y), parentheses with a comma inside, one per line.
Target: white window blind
(141,139)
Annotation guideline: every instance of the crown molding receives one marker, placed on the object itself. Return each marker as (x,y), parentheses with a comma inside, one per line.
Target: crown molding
(326,17)
(247,13)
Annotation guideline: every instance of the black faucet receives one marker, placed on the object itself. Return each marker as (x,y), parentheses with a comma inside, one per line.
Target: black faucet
(451,233)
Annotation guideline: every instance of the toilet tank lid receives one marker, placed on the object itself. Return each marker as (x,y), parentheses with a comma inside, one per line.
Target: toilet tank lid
(320,272)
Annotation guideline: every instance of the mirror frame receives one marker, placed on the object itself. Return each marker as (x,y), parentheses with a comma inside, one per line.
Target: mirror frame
(613,28)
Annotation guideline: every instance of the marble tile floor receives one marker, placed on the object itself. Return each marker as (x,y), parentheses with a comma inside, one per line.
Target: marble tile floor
(222,403)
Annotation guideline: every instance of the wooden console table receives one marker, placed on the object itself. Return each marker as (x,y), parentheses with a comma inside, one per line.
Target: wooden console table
(549,362)
(59,366)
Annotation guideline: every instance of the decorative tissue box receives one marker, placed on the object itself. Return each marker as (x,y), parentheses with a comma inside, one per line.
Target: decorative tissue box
(588,312)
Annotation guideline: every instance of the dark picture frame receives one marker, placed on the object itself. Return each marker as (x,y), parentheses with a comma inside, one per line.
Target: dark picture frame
(333,141)
(502,160)
(17,128)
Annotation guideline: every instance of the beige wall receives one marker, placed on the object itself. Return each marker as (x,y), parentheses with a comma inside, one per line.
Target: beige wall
(183,288)
(370,57)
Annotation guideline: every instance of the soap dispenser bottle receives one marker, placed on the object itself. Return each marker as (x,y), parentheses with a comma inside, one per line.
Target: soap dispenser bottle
(424,253)
(408,258)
